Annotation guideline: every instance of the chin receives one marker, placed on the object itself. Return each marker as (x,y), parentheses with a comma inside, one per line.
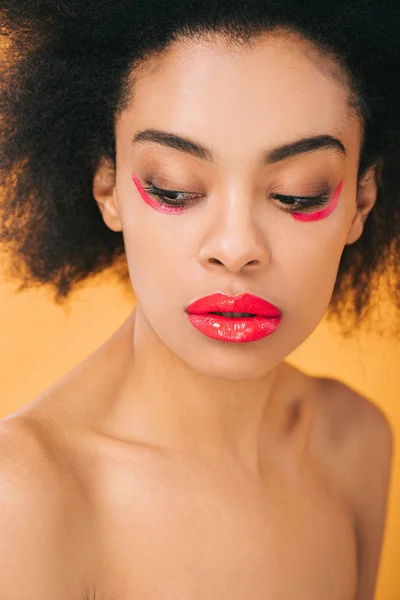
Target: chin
(238,362)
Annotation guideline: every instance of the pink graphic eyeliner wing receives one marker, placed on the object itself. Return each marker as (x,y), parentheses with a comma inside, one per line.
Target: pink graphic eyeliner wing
(170,210)
(325,212)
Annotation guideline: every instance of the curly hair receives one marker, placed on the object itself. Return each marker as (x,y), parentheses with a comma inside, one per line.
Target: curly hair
(67,72)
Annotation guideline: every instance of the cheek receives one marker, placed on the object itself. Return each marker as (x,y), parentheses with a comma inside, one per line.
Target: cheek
(308,266)
(310,279)
(307,289)
(152,252)
(149,264)
(147,238)
(315,258)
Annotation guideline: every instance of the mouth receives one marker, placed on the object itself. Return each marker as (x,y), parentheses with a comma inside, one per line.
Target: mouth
(233,315)
(233,307)
(234,329)
(244,318)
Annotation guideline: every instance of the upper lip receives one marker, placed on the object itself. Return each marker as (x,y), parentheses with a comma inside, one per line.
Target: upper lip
(221,302)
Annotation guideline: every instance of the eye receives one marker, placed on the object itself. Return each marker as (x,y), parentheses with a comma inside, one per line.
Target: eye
(172,197)
(185,199)
(302,203)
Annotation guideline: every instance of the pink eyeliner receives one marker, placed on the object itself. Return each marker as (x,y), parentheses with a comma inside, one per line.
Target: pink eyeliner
(325,212)
(178,210)
(170,210)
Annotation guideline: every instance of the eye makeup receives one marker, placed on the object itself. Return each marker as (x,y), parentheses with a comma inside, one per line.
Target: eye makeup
(174,202)
(164,208)
(324,212)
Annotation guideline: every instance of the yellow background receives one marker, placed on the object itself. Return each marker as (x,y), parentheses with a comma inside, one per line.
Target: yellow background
(40,342)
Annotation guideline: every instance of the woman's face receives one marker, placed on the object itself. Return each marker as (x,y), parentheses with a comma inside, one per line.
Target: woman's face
(235,232)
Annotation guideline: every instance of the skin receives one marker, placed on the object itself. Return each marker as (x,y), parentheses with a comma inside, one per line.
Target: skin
(169,465)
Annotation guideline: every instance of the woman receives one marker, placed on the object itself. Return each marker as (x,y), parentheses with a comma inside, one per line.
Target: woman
(244,158)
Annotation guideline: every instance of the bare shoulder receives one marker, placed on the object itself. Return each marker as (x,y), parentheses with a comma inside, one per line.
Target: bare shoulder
(362,442)
(354,425)
(37,526)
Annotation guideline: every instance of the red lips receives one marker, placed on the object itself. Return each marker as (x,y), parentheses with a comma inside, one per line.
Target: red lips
(246,303)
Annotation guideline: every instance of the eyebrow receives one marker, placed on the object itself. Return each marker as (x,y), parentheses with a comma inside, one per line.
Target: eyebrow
(184,144)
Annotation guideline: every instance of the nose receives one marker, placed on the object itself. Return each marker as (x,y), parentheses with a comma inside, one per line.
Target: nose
(235,241)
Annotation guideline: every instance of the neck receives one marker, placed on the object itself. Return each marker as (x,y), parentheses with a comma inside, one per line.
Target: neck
(163,402)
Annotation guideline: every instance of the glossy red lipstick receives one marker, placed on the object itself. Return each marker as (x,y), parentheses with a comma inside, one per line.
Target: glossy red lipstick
(266,317)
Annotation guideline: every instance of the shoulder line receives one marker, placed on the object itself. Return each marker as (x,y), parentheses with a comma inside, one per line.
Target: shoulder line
(350,413)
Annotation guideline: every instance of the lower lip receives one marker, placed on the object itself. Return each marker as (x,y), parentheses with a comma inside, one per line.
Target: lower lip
(226,329)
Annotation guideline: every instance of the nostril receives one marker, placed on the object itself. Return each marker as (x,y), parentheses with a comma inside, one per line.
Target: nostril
(215,261)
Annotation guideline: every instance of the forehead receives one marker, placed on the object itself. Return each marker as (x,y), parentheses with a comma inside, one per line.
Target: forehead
(278,86)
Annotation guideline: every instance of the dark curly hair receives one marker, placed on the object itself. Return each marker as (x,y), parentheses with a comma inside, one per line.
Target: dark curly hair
(67,72)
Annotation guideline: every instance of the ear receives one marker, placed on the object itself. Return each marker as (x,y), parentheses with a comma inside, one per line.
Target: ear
(104,192)
(367,191)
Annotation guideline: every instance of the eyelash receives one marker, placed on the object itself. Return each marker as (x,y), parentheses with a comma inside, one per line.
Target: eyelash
(300,203)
